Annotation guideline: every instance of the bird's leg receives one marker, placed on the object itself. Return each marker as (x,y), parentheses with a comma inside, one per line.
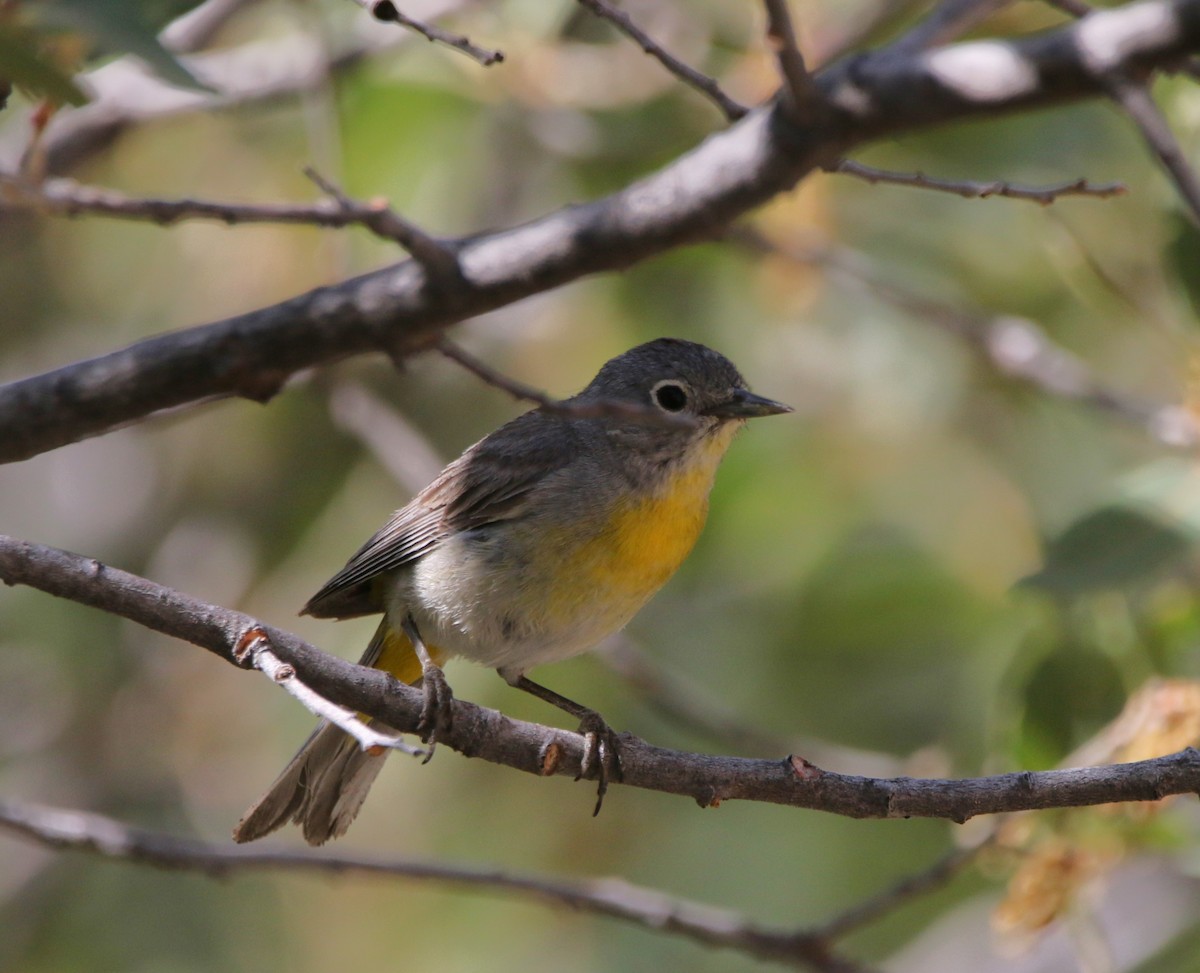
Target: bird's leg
(437,711)
(601,748)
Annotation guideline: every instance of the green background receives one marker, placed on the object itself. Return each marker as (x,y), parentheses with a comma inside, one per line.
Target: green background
(857,592)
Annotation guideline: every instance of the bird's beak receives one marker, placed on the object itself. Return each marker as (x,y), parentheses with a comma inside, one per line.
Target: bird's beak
(746,405)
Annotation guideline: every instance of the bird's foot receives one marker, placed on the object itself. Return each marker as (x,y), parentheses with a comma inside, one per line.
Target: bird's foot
(601,760)
(437,711)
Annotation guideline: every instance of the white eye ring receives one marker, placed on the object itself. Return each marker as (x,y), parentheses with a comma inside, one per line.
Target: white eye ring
(671,394)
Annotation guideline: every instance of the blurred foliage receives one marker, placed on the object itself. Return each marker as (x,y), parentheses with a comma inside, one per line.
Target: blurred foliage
(857,582)
(43,43)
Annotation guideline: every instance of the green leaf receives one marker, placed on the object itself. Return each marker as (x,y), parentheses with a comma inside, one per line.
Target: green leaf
(118,27)
(1113,547)
(22,63)
(1068,697)
(1184,253)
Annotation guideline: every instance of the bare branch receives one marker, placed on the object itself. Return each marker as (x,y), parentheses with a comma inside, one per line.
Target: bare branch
(948,21)
(1045,195)
(614,898)
(66,197)
(706,85)
(800,92)
(436,256)
(544,751)
(861,27)
(386,11)
(693,198)
(580,410)
(255,650)
(1135,98)
(871,910)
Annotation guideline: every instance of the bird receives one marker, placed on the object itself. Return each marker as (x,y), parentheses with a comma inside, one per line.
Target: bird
(541,540)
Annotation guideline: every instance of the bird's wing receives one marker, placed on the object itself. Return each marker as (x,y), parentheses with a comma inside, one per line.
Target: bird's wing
(491,481)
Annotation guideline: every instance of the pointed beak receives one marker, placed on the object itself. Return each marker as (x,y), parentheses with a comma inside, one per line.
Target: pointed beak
(746,405)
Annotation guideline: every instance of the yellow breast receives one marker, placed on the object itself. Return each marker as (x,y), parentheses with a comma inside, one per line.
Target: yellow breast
(649,536)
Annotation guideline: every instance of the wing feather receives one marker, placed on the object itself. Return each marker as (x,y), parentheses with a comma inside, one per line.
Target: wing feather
(491,481)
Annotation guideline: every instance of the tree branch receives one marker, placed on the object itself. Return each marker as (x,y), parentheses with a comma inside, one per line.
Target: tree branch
(435,256)
(707,86)
(1139,105)
(799,93)
(617,899)
(66,197)
(970,189)
(1135,97)
(950,19)
(254,650)
(386,11)
(695,197)
(545,751)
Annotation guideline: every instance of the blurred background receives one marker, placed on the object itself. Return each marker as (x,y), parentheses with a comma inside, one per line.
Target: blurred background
(932,568)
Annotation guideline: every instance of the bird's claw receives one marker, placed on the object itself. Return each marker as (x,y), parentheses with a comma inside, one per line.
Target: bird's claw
(437,711)
(601,760)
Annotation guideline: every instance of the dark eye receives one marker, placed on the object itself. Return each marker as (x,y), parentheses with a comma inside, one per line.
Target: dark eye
(670,396)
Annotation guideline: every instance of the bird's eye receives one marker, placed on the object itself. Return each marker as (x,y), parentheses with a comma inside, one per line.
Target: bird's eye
(670,396)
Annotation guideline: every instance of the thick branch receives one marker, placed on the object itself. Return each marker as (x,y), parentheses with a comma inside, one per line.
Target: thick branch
(617,899)
(693,198)
(480,732)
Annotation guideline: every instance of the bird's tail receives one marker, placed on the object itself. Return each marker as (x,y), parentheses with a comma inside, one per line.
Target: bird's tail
(325,784)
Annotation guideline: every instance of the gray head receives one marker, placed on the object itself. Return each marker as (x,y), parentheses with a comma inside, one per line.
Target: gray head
(676,378)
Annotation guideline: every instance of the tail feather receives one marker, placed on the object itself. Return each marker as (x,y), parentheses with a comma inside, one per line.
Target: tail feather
(338,788)
(323,787)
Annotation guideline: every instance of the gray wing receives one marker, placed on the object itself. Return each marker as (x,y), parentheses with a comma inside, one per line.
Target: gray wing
(491,481)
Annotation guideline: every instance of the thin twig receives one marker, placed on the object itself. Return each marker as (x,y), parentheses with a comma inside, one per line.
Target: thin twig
(799,89)
(706,85)
(862,26)
(907,889)
(969,189)
(946,22)
(66,197)
(386,11)
(596,408)
(437,257)
(68,829)
(1135,98)
(255,649)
